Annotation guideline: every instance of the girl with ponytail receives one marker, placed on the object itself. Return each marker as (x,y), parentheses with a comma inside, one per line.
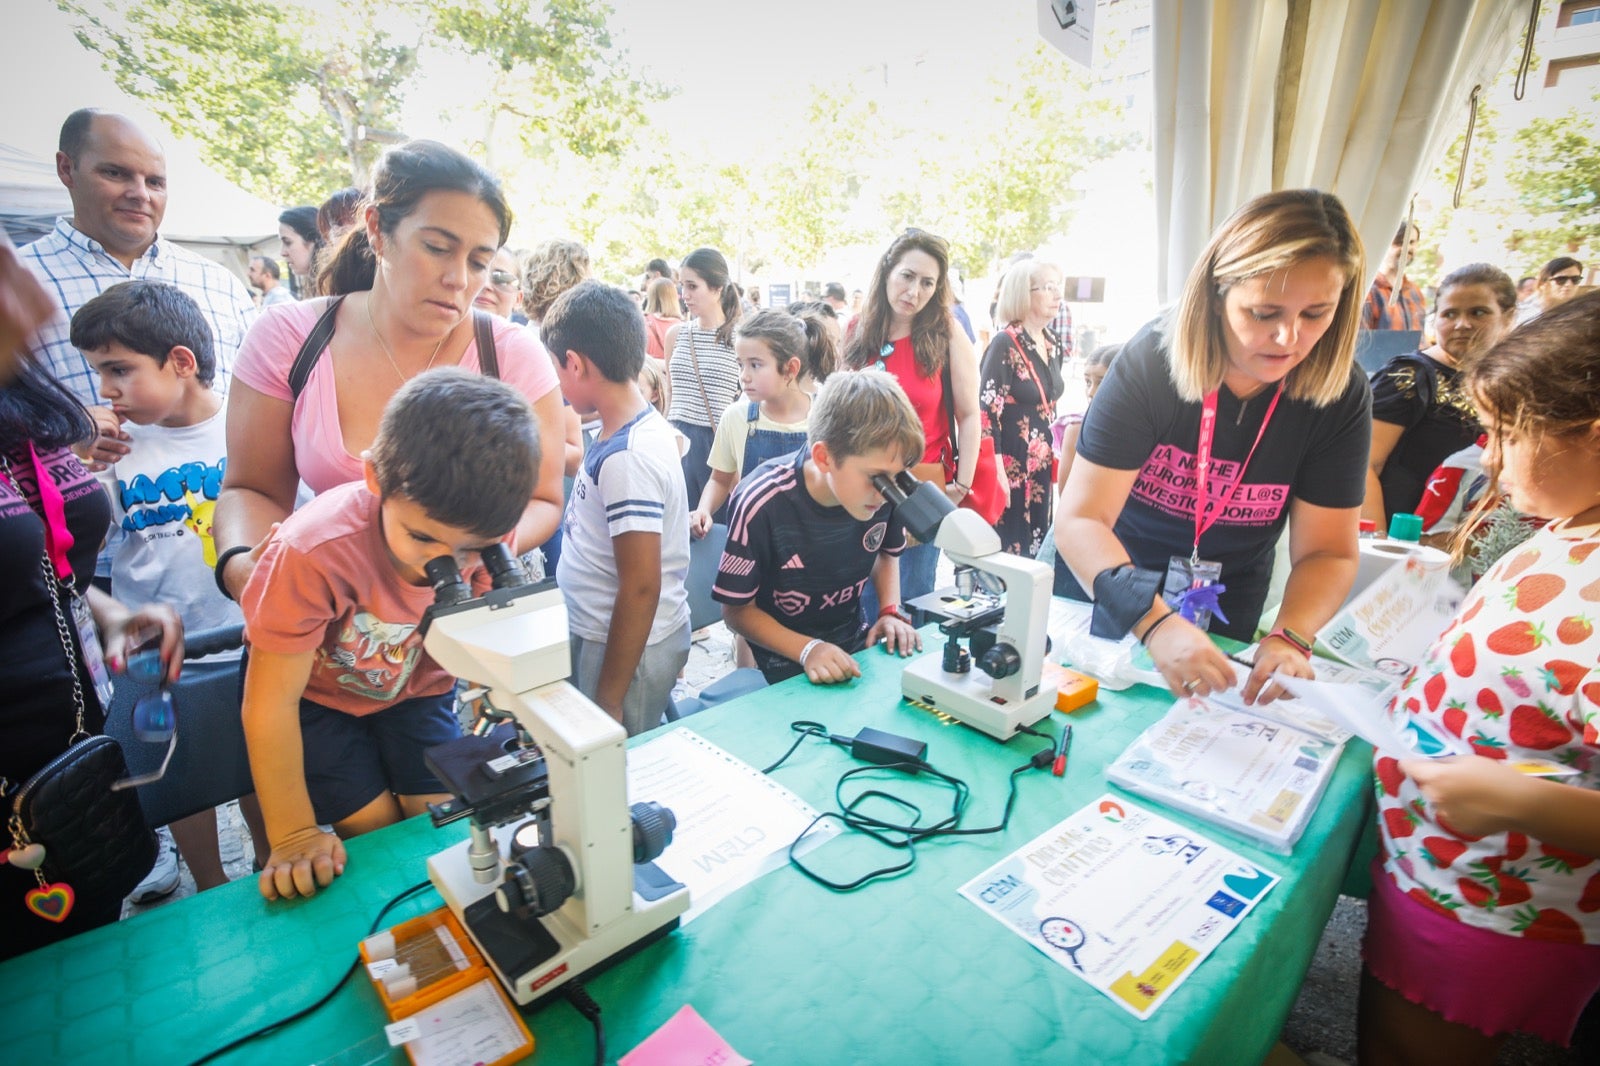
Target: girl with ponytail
(702,370)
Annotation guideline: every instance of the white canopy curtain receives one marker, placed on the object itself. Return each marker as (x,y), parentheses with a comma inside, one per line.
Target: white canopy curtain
(1357,97)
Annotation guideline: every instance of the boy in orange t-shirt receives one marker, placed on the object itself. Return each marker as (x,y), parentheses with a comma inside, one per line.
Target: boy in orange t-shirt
(340,699)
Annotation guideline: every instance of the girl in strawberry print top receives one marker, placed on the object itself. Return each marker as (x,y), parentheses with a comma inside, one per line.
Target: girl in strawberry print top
(1485,917)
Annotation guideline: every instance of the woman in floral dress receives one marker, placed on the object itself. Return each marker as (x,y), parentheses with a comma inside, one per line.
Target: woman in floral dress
(1019,384)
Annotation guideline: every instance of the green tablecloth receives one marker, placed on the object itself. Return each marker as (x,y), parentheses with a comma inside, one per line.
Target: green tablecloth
(904,970)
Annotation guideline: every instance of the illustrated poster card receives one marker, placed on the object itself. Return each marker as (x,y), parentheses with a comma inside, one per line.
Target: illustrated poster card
(1125,899)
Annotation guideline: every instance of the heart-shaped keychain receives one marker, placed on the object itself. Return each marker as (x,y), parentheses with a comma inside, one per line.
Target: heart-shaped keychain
(27,857)
(52,902)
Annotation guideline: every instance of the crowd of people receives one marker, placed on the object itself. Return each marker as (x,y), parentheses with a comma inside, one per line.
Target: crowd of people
(416,390)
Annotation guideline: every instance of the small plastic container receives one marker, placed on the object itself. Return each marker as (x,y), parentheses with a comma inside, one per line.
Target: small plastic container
(421,961)
(1073,690)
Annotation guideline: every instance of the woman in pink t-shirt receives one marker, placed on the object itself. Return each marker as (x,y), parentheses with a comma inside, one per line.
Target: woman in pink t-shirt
(408,274)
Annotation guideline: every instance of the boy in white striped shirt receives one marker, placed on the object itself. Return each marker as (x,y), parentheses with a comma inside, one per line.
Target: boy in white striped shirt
(625,536)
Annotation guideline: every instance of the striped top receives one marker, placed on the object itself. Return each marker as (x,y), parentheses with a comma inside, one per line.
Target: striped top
(719,372)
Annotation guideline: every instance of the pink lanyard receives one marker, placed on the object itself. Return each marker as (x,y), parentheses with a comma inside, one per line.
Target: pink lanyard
(1046,407)
(58,538)
(1208,429)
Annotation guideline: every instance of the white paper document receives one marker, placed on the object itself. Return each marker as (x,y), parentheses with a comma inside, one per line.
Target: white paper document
(1122,897)
(472,1026)
(1252,775)
(734,822)
(1367,716)
(1398,733)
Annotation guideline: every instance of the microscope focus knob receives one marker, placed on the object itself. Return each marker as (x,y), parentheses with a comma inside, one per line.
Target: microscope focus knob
(652,830)
(537,884)
(1000,661)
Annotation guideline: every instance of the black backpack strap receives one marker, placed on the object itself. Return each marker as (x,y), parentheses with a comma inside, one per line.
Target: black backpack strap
(483,328)
(315,344)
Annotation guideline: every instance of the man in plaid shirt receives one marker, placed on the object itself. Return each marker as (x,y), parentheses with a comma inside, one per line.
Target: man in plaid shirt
(117,179)
(1383,308)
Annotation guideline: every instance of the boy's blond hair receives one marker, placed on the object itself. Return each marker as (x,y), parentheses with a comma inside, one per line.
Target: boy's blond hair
(861,412)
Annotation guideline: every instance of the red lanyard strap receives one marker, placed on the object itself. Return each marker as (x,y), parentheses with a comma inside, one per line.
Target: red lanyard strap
(52,511)
(1202,473)
(1027,362)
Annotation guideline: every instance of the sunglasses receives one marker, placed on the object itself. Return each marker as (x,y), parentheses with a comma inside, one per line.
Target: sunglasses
(883,356)
(1567,279)
(155,717)
(503,279)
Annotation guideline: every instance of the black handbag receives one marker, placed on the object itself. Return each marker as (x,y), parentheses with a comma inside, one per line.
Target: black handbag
(96,846)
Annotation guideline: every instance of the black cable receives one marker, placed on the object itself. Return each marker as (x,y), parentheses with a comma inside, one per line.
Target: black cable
(297,1015)
(585,1005)
(908,834)
(805,729)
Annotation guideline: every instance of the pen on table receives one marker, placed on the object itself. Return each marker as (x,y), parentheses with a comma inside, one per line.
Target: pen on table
(1060,767)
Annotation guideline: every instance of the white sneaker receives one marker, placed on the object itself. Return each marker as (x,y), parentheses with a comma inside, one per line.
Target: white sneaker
(162,880)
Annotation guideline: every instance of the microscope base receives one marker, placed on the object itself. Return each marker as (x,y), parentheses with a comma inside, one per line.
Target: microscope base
(534,959)
(970,698)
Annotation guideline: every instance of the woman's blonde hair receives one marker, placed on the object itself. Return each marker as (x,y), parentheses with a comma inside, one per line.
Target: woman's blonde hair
(662,299)
(1273,232)
(552,268)
(1015,298)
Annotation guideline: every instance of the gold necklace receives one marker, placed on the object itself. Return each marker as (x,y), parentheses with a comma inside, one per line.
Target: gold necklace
(390,355)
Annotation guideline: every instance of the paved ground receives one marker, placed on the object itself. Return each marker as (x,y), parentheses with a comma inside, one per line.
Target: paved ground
(1321,1026)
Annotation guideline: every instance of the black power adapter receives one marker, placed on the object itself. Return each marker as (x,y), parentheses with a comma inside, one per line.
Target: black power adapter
(876,746)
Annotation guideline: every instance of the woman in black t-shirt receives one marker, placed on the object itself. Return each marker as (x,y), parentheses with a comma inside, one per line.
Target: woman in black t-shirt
(1420,413)
(1258,358)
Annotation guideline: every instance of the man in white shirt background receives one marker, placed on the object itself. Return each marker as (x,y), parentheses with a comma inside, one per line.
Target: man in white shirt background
(265,275)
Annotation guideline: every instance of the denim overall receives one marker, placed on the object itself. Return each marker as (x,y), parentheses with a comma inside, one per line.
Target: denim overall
(764,444)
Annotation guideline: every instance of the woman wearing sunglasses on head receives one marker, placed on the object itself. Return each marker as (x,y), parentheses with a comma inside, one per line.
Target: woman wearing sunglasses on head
(906,329)
(53,516)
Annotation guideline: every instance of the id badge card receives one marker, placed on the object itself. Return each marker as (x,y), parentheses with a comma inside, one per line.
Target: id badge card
(94,659)
(1185,577)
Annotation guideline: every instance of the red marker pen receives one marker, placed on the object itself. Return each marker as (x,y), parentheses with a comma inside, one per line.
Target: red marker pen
(1060,767)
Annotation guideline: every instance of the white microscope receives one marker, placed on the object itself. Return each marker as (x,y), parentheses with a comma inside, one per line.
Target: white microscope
(557,878)
(1007,639)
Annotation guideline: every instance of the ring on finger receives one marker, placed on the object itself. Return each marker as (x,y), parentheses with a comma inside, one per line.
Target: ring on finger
(1190,686)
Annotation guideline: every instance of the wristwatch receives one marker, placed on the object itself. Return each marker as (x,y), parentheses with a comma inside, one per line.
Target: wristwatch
(894,609)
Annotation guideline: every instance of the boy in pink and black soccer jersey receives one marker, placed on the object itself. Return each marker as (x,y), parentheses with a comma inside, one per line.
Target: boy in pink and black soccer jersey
(808,531)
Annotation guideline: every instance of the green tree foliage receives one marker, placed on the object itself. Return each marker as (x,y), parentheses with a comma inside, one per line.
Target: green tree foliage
(1557,179)
(294,101)
(1007,185)
(554,72)
(817,173)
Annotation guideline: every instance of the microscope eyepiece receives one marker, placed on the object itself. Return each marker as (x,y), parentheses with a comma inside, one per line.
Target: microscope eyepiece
(445,577)
(504,568)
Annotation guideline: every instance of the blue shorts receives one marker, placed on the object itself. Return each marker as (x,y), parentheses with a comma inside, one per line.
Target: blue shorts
(351,760)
